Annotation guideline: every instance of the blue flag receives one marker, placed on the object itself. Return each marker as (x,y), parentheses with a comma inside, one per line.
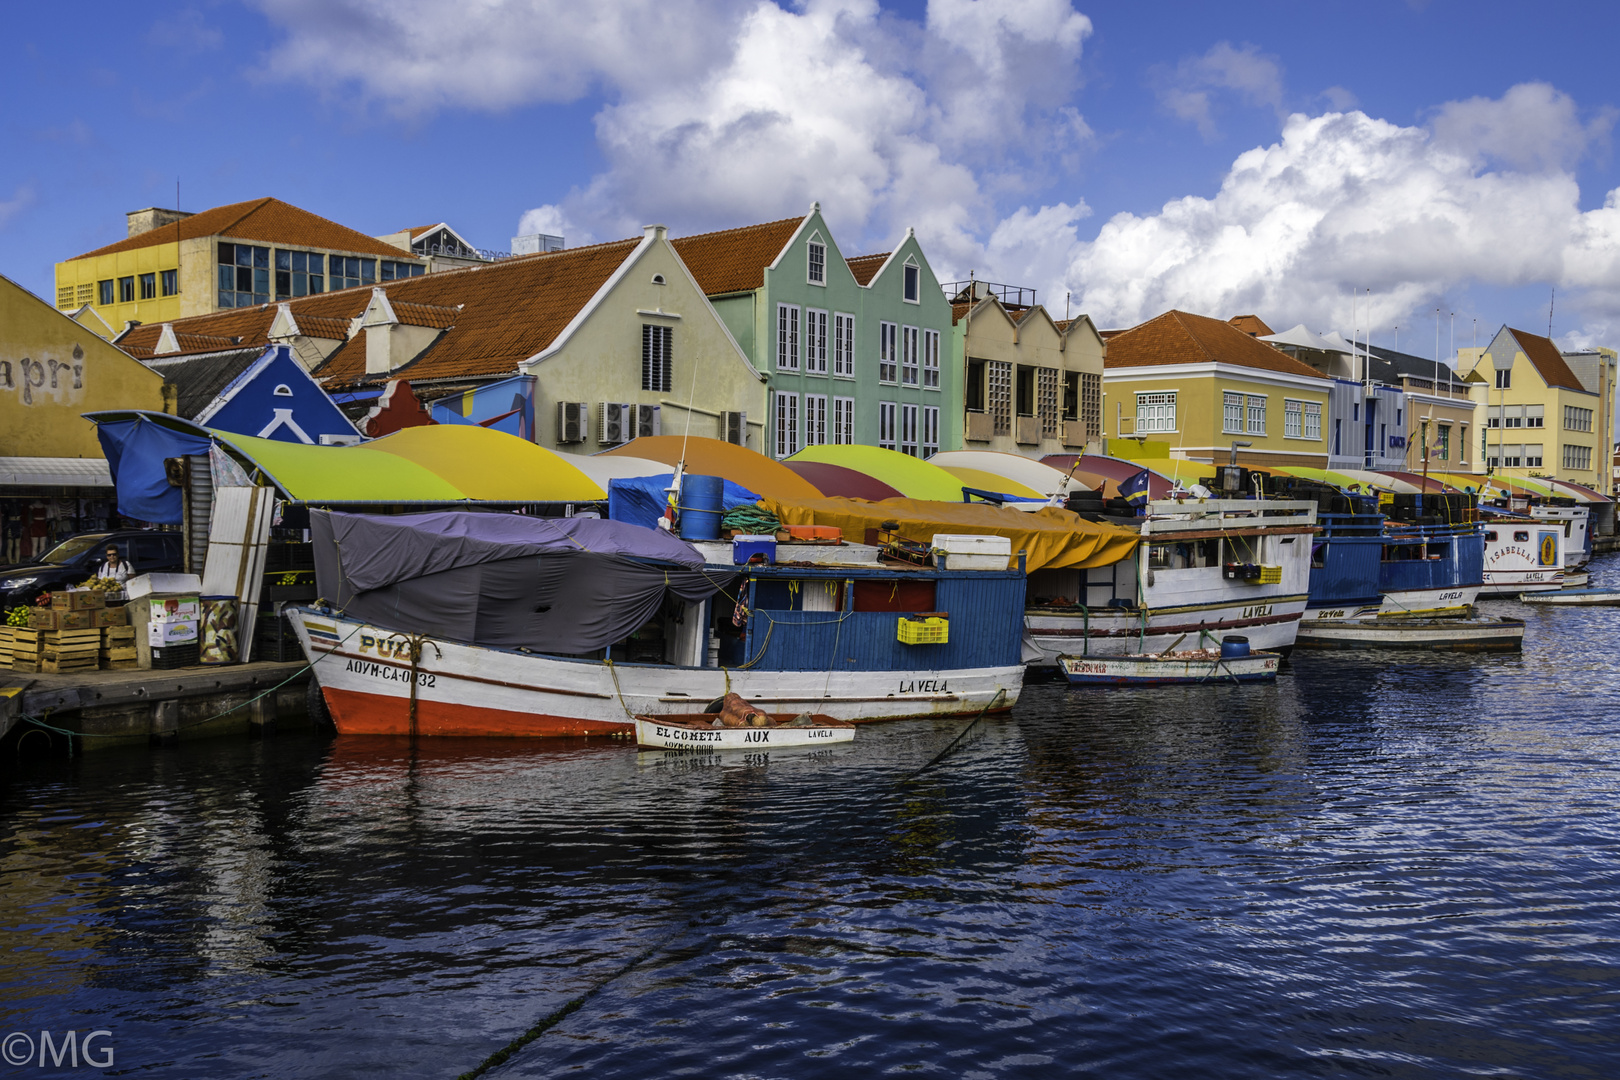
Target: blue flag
(1134,489)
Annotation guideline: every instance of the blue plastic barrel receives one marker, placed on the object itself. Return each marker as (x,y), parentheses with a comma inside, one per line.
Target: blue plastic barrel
(702,506)
(1234,645)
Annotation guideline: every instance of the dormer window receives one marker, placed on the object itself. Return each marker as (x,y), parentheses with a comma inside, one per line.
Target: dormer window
(913,283)
(658,279)
(282,390)
(816,271)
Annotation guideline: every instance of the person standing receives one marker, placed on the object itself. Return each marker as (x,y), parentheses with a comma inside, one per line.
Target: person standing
(116,567)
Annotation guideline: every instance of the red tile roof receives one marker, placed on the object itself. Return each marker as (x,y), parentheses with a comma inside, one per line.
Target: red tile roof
(1179,337)
(1252,325)
(268,221)
(734,260)
(865,267)
(1544,354)
(495,315)
(323,326)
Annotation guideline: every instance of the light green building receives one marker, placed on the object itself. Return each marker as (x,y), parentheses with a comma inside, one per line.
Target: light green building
(854,350)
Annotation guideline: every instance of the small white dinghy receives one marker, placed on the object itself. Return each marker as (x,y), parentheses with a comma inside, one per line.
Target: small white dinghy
(700,731)
(1575,598)
(1483,634)
(1577,579)
(1232,662)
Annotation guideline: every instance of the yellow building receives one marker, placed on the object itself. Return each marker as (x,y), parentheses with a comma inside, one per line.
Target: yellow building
(53,478)
(1033,386)
(175,264)
(1201,385)
(1540,418)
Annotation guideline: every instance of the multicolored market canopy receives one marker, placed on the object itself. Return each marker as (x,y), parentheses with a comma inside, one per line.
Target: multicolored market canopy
(712,457)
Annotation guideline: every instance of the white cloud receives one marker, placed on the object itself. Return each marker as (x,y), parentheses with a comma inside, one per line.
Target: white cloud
(1187,91)
(720,113)
(21,199)
(1344,202)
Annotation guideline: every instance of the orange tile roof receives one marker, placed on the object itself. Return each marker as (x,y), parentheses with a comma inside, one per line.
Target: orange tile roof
(1544,354)
(420,229)
(734,260)
(1179,337)
(1252,325)
(429,315)
(865,267)
(267,220)
(958,311)
(323,326)
(504,313)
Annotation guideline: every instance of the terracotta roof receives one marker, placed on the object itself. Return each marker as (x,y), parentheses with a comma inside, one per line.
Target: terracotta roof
(1544,354)
(734,260)
(958,311)
(251,326)
(430,315)
(323,326)
(269,221)
(1179,337)
(508,311)
(420,229)
(865,267)
(1252,325)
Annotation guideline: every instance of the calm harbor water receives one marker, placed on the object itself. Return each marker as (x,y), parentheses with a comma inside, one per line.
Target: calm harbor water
(1403,866)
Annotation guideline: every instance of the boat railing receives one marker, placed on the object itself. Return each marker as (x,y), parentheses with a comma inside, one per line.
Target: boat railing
(1169,515)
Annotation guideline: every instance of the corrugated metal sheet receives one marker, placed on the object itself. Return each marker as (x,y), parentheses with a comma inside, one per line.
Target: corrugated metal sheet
(54,472)
(199,511)
(986,628)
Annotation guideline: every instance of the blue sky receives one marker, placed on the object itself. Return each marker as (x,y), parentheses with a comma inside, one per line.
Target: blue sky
(1440,154)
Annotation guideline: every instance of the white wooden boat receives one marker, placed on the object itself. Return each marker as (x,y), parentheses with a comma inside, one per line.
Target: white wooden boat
(365,675)
(700,731)
(1482,634)
(1177,584)
(1158,669)
(1522,556)
(1575,598)
(1577,579)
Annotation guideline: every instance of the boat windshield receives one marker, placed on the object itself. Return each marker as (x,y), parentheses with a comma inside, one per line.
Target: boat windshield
(68,550)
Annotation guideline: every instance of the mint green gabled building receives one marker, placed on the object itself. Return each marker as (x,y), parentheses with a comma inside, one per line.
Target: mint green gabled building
(854,350)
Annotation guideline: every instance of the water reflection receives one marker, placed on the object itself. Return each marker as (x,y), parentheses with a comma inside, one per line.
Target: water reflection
(1400,865)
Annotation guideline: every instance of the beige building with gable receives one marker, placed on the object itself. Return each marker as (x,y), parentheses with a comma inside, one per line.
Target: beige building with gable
(1033,385)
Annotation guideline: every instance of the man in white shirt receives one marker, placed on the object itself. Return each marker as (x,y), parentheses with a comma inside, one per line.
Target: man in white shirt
(116,567)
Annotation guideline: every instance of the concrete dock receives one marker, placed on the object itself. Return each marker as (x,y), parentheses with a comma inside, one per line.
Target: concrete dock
(105,709)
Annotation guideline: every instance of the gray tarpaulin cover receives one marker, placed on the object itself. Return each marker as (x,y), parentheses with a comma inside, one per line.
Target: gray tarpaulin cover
(557,585)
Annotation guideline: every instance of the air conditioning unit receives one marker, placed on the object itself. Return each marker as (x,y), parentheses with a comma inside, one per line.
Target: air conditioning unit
(644,420)
(573,421)
(736,427)
(615,421)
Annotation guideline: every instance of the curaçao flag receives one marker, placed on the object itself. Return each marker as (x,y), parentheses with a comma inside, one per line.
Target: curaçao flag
(1134,490)
(506,406)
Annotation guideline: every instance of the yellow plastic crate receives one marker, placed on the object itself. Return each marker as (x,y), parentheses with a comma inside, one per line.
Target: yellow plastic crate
(932,630)
(1271,575)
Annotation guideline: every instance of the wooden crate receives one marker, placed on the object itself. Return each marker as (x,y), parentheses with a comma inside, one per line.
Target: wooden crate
(78,600)
(120,665)
(26,662)
(69,638)
(26,643)
(118,636)
(116,655)
(57,667)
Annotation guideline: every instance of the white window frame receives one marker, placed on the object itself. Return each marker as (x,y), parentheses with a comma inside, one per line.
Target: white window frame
(1156,412)
(843,331)
(1231,412)
(787,424)
(843,421)
(812,263)
(930,359)
(1293,419)
(911,281)
(657,357)
(815,342)
(886,424)
(1313,420)
(815,419)
(888,348)
(910,338)
(908,430)
(1254,414)
(787,337)
(1533,461)
(930,431)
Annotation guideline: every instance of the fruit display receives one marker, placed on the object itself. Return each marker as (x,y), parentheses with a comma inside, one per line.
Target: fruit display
(17,616)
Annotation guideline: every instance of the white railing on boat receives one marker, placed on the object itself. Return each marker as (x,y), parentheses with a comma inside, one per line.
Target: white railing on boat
(1170,515)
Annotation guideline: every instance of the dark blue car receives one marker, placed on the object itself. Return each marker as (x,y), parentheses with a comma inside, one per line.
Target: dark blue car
(75,560)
